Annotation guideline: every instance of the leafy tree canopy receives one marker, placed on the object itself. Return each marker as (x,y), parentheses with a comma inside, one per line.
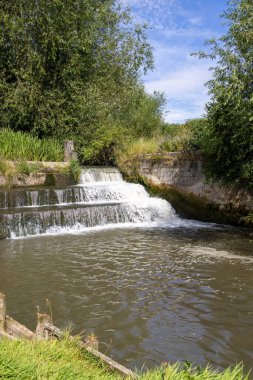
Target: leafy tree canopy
(229,145)
(71,69)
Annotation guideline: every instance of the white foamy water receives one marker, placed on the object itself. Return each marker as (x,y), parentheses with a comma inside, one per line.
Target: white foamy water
(216,254)
(101,200)
(93,174)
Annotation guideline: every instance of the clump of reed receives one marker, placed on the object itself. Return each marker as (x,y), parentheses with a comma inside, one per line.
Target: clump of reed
(23,146)
(5,168)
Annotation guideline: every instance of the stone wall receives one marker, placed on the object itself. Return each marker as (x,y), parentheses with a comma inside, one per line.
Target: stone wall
(46,174)
(180,177)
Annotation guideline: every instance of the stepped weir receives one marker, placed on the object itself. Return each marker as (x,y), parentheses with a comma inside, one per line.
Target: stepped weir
(145,279)
(101,199)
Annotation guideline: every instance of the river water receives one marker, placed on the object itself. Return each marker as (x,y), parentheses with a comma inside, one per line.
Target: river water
(153,289)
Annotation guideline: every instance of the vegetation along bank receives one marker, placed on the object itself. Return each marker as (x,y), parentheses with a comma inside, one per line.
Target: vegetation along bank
(76,73)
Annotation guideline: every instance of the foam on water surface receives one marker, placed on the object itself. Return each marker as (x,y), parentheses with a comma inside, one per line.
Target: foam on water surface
(102,199)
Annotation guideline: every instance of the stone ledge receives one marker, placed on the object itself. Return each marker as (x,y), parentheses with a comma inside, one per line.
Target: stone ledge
(183,175)
(47,174)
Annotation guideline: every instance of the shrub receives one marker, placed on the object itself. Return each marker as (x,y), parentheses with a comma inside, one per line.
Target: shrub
(75,169)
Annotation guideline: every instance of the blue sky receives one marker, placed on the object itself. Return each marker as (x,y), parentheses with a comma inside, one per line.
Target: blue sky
(176,29)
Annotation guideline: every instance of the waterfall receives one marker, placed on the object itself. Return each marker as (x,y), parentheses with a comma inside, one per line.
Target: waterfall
(93,174)
(101,199)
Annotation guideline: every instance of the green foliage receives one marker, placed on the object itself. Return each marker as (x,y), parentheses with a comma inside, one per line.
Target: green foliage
(3,167)
(248,220)
(198,133)
(139,147)
(75,169)
(230,111)
(73,73)
(23,167)
(59,360)
(185,371)
(23,146)
(192,135)
(131,115)
(27,168)
(176,138)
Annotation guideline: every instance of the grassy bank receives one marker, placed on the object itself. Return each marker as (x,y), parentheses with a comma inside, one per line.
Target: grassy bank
(23,173)
(22,154)
(24,146)
(190,136)
(62,360)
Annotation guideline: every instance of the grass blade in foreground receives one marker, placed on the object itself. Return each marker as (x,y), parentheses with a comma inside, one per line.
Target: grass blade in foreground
(63,360)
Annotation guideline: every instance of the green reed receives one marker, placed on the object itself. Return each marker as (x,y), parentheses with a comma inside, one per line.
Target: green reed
(23,146)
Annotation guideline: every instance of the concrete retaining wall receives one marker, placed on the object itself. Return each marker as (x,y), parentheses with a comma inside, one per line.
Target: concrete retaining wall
(46,174)
(180,177)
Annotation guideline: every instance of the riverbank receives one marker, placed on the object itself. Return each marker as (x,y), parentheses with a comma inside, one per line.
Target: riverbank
(52,353)
(180,178)
(14,174)
(61,360)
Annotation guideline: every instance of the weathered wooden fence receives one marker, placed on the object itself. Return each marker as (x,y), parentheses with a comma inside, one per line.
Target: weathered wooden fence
(11,329)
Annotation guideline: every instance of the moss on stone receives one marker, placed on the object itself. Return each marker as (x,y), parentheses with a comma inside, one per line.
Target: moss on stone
(192,206)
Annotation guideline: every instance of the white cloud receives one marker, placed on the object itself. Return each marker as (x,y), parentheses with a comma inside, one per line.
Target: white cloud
(184,89)
(185,80)
(189,33)
(198,21)
(180,77)
(150,4)
(177,115)
(157,13)
(176,32)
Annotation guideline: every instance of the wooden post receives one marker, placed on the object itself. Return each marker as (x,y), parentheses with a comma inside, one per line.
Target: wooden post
(69,151)
(2,311)
(41,332)
(92,341)
(16,330)
(57,333)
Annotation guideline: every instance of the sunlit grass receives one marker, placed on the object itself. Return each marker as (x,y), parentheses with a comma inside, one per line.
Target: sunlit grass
(61,360)
(158,144)
(192,135)
(136,148)
(24,146)
(143,146)
(185,372)
(64,360)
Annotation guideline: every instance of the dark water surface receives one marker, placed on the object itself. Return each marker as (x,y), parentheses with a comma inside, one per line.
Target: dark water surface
(150,295)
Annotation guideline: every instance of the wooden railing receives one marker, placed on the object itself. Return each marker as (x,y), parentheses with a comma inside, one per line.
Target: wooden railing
(11,329)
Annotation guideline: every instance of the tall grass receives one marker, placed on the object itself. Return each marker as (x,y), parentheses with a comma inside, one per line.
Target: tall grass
(136,148)
(23,146)
(61,360)
(64,360)
(192,135)
(186,372)
(143,146)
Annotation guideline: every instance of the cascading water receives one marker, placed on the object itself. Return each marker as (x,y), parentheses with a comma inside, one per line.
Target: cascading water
(101,199)
(93,174)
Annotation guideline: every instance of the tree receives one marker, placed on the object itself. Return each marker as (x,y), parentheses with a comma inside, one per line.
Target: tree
(229,146)
(67,68)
